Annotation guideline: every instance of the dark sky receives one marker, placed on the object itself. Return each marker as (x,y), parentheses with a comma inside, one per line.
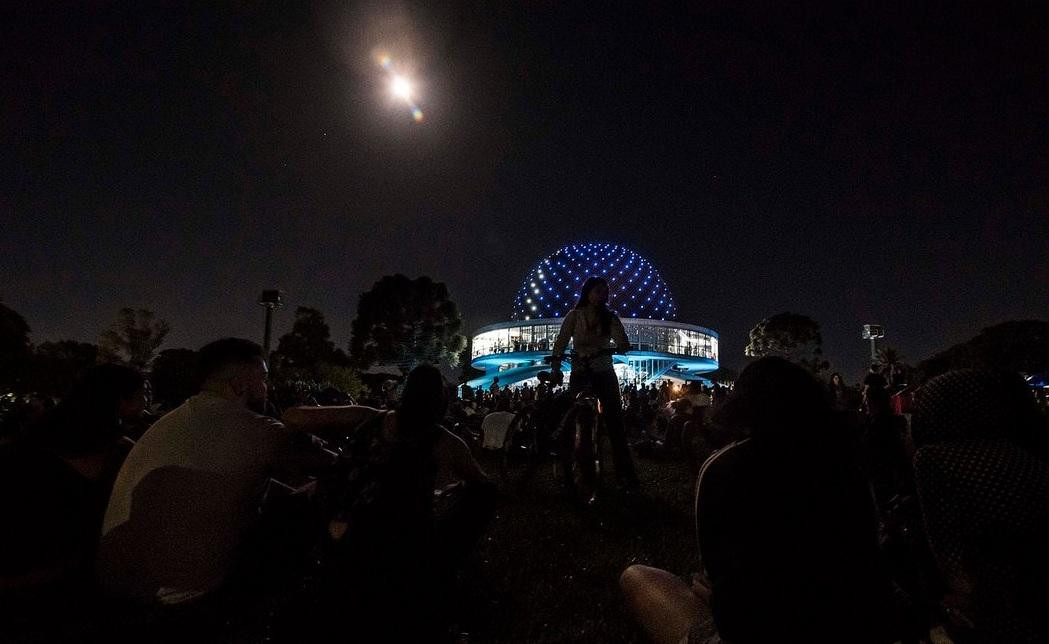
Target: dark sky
(857,165)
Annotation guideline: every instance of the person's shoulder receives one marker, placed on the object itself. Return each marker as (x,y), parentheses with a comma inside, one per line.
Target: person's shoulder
(237,414)
(725,461)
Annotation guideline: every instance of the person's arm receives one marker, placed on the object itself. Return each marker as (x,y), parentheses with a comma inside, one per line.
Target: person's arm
(313,419)
(619,335)
(455,454)
(564,335)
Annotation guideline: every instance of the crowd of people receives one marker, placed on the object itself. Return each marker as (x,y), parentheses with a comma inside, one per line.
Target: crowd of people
(821,525)
(161,535)
(823,512)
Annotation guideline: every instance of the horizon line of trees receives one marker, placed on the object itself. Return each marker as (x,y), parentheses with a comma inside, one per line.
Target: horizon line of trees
(1015,345)
(400,322)
(403,322)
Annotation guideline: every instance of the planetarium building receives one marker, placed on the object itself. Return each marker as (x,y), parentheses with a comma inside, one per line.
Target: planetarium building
(660,346)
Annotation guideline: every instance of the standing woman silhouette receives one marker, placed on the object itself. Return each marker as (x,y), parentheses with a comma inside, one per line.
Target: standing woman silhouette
(593,329)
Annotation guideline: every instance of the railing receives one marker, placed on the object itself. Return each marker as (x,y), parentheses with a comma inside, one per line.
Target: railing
(692,352)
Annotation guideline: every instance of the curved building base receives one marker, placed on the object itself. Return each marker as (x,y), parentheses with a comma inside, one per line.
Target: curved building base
(514,352)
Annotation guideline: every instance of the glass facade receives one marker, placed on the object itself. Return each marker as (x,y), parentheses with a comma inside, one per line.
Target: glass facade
(645,335)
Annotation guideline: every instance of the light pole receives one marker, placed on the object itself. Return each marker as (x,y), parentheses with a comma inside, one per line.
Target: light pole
(271,299)
(873,332)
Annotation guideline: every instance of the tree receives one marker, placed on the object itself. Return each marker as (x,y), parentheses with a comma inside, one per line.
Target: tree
(893,366)
(308,344)
(466,371)
(405,322)
(1018,345)
(14,349)
(174,376)
(58,365)
(789,335)
(134,337)
(345,379)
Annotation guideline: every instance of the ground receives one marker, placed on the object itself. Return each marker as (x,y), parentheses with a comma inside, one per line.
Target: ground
(548,572)
(545,571)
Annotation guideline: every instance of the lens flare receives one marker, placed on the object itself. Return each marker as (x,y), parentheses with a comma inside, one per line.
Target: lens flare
(401,86)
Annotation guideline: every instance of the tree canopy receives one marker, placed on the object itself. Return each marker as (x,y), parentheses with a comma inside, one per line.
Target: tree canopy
(792,336)
(174,376)
(14,347)
(58,365)
(405,322)
(1017,345)
(308,344)
(134,338)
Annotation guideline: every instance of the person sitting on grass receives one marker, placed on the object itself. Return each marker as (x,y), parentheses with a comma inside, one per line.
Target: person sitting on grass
(395,552)
(57,478)
(982,477)
(786,525)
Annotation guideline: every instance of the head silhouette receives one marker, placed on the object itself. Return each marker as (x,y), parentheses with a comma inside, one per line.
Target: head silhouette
(596,285)
(594,292)
(778,403)
(89,418)
(235,369)
(423,403)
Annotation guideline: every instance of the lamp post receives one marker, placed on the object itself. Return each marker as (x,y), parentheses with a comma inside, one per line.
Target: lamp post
(873,332)
(271,299)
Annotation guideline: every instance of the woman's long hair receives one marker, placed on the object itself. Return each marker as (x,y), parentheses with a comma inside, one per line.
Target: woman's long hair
(423,403)
(604,315)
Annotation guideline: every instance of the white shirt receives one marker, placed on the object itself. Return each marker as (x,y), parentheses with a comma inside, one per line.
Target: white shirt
(184,497)
(494,428)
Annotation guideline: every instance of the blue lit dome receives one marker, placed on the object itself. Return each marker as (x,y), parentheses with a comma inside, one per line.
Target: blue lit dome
(636,289)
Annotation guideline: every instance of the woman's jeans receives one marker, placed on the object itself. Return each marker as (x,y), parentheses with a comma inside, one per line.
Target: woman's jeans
(606,386)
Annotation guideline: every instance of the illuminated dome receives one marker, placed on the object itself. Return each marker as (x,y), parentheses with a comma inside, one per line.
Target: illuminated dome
(636,290)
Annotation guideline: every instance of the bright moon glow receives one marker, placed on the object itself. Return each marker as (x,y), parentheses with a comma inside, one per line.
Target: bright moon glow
(401,88)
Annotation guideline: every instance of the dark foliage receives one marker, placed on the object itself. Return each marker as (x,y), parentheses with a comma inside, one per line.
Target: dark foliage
(405,322)
(174,377)
(134,338)
(1017,345)
(58,365)
(14,348)
(792,336)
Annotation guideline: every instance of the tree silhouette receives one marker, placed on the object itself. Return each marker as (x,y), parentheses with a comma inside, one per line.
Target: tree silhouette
(174,376)
(1017,345)
(308,344)
(792,336)
(467,372)
(134,337)
(307,356)
(405,322)
(58,365)
(14,349)
(893,366)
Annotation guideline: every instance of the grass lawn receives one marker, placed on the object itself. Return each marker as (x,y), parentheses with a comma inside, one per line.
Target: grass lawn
(547,572)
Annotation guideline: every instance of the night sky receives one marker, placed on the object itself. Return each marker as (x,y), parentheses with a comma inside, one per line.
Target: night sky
(880,164)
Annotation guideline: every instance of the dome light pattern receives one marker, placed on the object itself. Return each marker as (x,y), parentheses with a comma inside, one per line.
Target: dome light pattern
(635,288)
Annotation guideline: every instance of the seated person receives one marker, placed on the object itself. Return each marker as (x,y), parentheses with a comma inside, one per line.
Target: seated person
(189,490)
(69,462)
(787,529)
(400,554)
(983,483)
(495,426)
